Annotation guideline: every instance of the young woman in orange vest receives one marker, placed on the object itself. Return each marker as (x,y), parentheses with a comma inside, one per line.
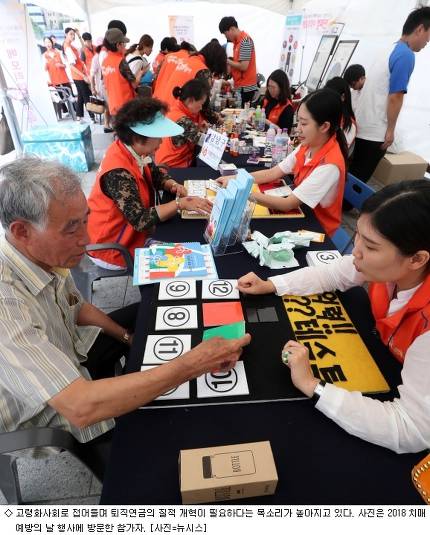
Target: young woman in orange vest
(277,101)
(348,123)
(318,164)
(56,70)
(123,199)
(392,253)
(88,50)
(168,44)
(79,72)
(120,82)
(178,151)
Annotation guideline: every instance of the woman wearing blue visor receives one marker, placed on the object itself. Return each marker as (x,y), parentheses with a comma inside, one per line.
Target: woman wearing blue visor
(123,201)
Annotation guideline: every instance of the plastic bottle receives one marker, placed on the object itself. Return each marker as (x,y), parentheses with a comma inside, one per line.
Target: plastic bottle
(238,97)
(257,116)
(277,148)
(234,144)
(285,143)
(270,136)
(261,126)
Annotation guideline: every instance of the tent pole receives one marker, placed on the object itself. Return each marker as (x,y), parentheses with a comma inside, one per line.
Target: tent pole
(10,115)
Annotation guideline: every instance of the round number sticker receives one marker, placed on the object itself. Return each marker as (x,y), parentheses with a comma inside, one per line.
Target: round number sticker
(220,288)
(221,381)
(176,316)
(168,347)
(178,289)
(326,257)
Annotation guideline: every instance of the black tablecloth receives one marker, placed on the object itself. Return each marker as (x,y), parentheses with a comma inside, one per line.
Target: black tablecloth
(317,461)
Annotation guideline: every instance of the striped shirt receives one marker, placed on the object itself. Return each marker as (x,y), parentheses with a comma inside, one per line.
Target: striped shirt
(41,347)
(245,52)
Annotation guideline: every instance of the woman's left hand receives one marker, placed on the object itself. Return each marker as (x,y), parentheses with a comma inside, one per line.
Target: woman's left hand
(179,190)
(301,371)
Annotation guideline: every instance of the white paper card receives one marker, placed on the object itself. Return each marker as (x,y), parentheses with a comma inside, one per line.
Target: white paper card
(177,289)
(231,383)
(178,392)
(322,258)
(163,348)
(220,289)
(282,191)
(176,317)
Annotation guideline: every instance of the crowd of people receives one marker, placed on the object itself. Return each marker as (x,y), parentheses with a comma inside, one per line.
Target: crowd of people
(58,369)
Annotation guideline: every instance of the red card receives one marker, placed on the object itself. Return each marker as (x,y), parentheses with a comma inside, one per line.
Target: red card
(222,313)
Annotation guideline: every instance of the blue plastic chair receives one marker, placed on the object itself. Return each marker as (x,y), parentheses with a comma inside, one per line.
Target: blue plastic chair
(356,192)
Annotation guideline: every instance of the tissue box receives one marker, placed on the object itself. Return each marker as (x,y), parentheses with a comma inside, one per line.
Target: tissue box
(403,166)
(227,472)
(71,145)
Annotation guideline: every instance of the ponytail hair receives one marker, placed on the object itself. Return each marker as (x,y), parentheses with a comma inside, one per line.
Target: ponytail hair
(145,41)
(196,89)
(340,85)
(325,105)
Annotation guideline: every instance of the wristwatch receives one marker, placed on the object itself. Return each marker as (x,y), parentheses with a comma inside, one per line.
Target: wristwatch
(319,389)
(126,337)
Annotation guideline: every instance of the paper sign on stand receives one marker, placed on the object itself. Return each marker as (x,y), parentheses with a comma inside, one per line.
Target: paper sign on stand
(213,148)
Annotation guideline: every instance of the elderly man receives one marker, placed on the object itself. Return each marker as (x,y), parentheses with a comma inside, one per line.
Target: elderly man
(52,343)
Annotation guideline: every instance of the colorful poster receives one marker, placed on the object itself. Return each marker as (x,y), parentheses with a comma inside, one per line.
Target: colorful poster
(290,43)
(22,67)
(182,28)
(163,261)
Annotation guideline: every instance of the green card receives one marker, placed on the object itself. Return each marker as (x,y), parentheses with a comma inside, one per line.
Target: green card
(230,331)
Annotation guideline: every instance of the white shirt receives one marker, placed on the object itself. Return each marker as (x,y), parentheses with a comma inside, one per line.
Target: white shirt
(320,187)
(371,107)
(355,96)
(137,64)
(403,425)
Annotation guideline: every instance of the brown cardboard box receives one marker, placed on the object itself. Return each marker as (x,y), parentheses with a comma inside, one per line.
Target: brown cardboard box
(402,166)
(227,472)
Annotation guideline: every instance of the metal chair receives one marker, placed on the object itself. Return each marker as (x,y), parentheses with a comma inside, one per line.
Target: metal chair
(87,272)
(32,437)
(66,98)
(356,192)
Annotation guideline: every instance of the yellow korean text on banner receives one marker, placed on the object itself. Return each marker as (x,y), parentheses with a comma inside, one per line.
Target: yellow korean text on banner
(336,351)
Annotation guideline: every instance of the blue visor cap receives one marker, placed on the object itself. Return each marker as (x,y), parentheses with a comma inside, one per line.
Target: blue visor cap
(161,126)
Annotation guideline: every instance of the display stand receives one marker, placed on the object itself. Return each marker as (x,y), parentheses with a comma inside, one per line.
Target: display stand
(232,243)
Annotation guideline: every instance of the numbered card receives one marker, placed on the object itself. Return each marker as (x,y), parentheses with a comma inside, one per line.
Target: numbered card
(160,349)
(176,317)
(220,289)
(177,289)
(321,258)
(178,392)
(231,383)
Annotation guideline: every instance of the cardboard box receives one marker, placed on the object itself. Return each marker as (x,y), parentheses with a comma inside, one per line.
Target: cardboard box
(227,472)
(402,166)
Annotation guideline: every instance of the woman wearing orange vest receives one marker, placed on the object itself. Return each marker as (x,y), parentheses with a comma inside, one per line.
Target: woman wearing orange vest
(392,253)
(178,151)
(277,101)
(119,81)
(123,199)
(180,67)
(243,64)
(79,72)
(348,123)
(318,164)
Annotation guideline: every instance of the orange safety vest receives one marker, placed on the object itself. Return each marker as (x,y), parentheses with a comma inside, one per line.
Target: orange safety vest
(89,54)
(399,330)
(78,65)
(248,77)
(118,89)
(106,223)
(329,216)
(276,111)
(168,153)
(177,70)
(57,75)
(158,61)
